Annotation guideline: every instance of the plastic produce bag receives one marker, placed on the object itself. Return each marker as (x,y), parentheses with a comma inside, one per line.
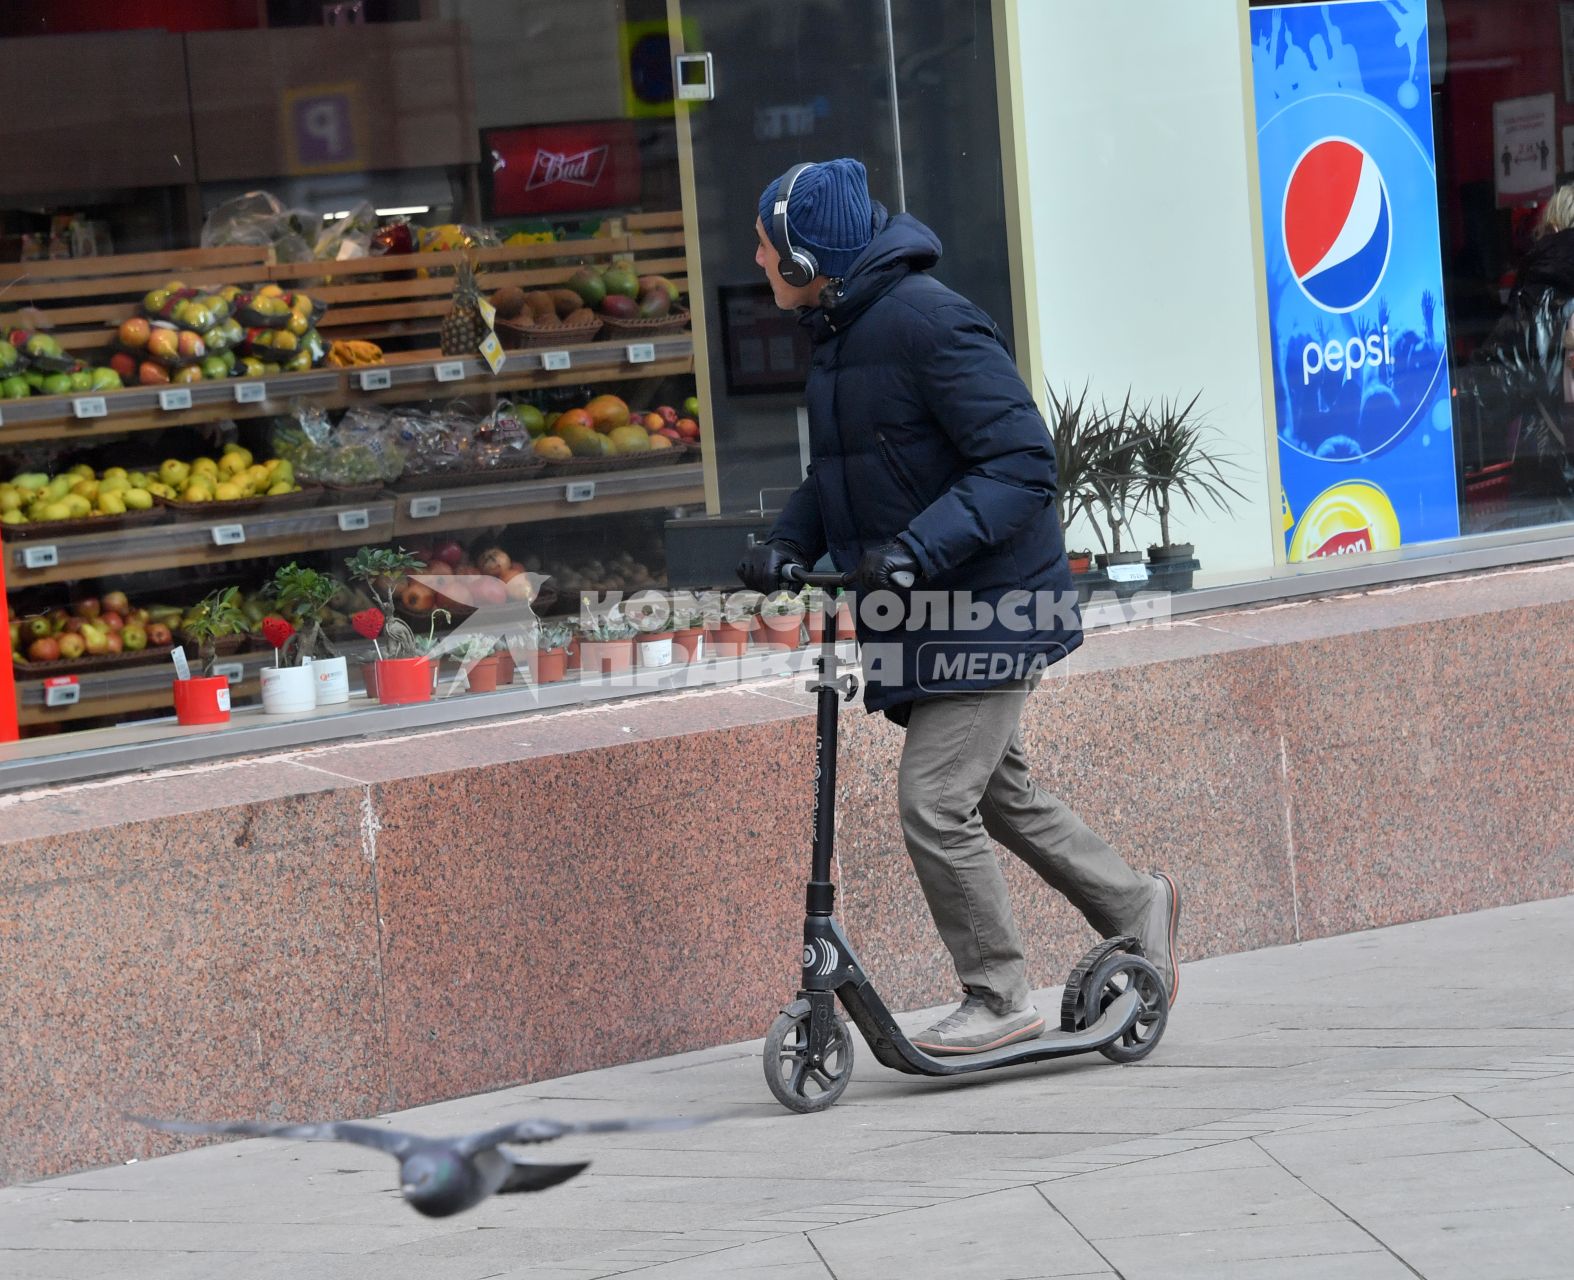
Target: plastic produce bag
(361,449)
(434,441)
(261,218)
(501,439)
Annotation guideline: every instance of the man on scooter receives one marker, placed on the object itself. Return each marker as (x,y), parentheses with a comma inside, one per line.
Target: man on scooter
(931,465)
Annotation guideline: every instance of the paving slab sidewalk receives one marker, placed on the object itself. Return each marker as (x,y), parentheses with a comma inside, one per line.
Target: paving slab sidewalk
(1383,1105)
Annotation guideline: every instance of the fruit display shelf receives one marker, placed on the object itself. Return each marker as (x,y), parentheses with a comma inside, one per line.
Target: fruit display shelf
(403,377)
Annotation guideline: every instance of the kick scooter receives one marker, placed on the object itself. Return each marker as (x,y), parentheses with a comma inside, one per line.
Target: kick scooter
(1114,1001)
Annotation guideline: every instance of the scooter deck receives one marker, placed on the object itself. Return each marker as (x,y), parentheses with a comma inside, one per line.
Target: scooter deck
(892,1048)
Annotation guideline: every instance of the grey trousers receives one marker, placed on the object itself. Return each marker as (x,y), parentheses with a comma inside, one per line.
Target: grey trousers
(963,780)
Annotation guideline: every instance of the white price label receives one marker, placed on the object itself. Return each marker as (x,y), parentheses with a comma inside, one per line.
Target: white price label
(580,491)
(349,521)
(1127,572)
(376,379)
(488,312)
(425,508)
(177,655)
(552,361)
(61,691)
(89,407)
(222,697)
(449,370)
(174,398)
(40,557)
(251,392)
(229,535)
(641,352)
(234,672)
(492,352)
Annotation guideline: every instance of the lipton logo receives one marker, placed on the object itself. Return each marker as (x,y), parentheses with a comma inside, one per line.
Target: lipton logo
(1346,519)
(1348,543)
(582,169)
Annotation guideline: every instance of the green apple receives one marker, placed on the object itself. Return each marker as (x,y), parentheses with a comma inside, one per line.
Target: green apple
(8,355)
(15,388)
(82,380)
(35,379)
(57,384)
(41,344)
(105,380)
(691,407)
(213,367)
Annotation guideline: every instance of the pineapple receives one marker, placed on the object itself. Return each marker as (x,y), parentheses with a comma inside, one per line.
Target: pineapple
(463,329)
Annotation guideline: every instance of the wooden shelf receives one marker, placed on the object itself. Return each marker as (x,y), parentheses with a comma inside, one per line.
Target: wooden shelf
(133,409)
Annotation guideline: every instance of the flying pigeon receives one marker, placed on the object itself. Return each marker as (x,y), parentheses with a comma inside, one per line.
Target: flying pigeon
(441,1176)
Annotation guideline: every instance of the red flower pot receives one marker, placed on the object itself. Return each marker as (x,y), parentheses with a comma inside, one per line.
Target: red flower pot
(688,644)
(572,654)
(404,680)
(733,635)
(483,675)
(506,666)
(606,657)
(549,665)
(782,631)
(202,700)
(814,624)
(369,677)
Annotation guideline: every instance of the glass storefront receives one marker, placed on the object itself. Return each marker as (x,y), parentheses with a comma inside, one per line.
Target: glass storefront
(376,332)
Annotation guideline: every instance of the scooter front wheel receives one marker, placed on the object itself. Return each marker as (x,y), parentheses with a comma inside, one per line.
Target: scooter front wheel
(797,1082)
(1094,988)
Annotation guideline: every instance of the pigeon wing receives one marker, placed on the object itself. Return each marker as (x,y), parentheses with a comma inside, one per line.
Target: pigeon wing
(527,1175)
(392,1141)
(528,1131)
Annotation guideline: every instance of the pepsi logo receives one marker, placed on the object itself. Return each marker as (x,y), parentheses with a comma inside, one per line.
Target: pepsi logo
(1338,226)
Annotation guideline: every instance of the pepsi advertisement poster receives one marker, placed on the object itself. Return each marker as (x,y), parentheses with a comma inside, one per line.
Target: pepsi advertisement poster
(1355,278)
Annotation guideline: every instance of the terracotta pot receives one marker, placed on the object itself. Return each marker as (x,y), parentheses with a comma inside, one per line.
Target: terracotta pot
(202,700)
(845,628)
(1082,563)
(606,657)
(404,680)
(483,676)
(573,654)
(814,624)
(688,644)
(549,665)
(369,677)
(781,631)
(733,636)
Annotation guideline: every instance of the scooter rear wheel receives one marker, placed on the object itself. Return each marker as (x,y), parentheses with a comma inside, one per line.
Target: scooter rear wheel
(797,1083)
(1086,1000)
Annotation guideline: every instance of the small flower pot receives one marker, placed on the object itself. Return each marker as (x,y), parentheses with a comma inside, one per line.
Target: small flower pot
(688,644)
(288,691)
(781,630)
(369,677)
(333,681)
(733,636)
(202,700)
(606,657)
(548,666)
(814,625)
(506,666)
(572,652)
(1081,561)
(1171,551)
(845,628)
(654,648)
(1107,558)
(402,680)
(483,676)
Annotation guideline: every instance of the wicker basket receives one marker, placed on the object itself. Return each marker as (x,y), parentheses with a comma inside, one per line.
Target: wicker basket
(518,337)
(462,479)
(310,495)
(623,462)
(155,514)
(88,662)
(633,330)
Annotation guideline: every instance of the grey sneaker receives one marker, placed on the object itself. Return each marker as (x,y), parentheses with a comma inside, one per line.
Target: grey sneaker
(973,1028)
(1156,932)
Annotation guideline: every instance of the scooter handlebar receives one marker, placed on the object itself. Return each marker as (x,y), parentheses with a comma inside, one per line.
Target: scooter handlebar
(797,576)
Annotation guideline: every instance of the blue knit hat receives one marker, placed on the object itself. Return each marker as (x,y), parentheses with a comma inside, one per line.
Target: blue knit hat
(829,215)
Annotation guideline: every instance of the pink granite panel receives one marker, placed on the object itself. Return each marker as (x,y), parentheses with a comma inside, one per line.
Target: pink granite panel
(221,967)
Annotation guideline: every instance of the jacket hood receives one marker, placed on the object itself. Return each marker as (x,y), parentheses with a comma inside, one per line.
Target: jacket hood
(901,246)
(1549,265)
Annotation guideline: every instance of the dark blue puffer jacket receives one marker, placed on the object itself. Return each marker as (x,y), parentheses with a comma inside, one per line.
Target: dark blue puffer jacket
(921,427)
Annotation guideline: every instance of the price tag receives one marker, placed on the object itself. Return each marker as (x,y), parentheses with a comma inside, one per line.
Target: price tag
(222,697)
(40,557)
(641,352)
(174,398)
(552,361)
(376,379)
(61,691)
(234,672)
(177,655)
(229,535)
(488,312)
(425,508)
(89,407)
(492,352)
(251,392)
(449,370)
(349,521)
(580,491)
(1127,572)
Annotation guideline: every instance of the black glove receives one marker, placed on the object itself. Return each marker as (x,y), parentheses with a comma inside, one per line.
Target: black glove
(762,564)
(879,568)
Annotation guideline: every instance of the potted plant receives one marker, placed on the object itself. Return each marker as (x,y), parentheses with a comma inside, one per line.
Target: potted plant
(781,615)
(689,624)
(301,597)
(650,613)
(1075,426)
(286,690)
(846,629)
(1175,463)
(551,656)
(606,643)
(738,622)
(404,671)
(205,699)
(478,661)
(814,602)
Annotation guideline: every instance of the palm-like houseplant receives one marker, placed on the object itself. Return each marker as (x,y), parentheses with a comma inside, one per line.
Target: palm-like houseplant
(1114,477)
(1176,463)
(1074,426)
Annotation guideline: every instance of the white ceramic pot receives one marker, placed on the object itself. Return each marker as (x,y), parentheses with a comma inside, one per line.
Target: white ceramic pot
(656,652)
(289,690)
(333,681)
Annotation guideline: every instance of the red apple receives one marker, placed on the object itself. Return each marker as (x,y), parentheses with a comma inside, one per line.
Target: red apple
(73,626)
(135,333)
(159,635)
(150,374)
(113,643)
(670,434)
(58,617)
(45,650)
(87,607)
(72,646)
(116,602)
(112,622)
(667,414)
(449,550)
(688,428)
(124,365)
